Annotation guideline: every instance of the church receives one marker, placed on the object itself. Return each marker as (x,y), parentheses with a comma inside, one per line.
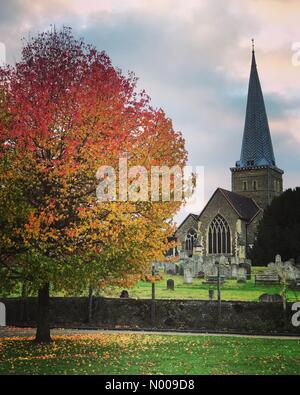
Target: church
(228,223)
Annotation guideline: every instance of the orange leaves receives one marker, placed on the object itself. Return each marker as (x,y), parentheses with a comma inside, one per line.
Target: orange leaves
(153,278)
(70,113)
(32,228)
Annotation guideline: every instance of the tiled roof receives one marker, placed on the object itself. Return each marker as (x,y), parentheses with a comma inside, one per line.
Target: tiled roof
(194,216)
(245,207)
(257,149)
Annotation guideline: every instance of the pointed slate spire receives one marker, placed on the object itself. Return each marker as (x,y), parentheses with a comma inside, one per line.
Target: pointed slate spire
(257,149)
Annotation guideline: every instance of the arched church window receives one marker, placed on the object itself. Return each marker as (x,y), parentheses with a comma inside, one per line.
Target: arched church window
(219,236)
(190,241)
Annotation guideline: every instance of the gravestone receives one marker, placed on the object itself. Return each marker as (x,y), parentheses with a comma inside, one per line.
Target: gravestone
(225,270)
(181,268)
(213,270)
(277,298)
(234,271)
(170,284)
(2,314)
(292,271)
(232,260)
(198,265)
(188,278)
(241,275)
(209,266)
(170,268)
(201,275)
(170,271)
(124,294)
(278,260)
(223,260)
(247,265)
(271,265)
(266,298)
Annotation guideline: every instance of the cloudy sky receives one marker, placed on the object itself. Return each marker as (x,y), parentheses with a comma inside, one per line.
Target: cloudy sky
(193,58)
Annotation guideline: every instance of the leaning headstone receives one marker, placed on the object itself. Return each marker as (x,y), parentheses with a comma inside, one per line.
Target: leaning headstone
(170,284)
(2,314)
(278,260)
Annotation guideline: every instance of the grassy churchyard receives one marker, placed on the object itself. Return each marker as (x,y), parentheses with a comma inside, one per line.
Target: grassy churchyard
(128,353)
(131,353)
(231,290)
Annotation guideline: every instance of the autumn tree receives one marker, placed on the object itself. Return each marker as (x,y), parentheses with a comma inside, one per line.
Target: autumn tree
(66,111)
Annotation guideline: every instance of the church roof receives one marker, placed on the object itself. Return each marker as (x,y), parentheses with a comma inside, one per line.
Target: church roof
(194,216)
(257,149)
(245,207)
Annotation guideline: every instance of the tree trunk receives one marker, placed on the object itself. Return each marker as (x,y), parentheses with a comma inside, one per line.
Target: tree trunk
(24,310)
(153,299)
(284,309)
(43,325)
(90,305)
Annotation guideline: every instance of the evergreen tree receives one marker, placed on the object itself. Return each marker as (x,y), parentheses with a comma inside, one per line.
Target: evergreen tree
(279,230)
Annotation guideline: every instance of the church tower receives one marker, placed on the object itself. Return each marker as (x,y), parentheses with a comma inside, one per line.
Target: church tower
(256,174)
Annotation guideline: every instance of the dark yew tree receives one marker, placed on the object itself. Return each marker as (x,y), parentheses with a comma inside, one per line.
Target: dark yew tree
(279,230)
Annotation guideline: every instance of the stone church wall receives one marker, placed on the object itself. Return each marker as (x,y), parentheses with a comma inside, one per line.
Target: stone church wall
(268,184)
(189,223)
(218,205)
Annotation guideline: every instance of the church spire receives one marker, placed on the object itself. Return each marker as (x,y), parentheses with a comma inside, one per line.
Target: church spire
(257,149)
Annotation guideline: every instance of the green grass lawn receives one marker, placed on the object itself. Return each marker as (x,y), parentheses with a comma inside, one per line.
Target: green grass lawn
(150,354)
(231,290)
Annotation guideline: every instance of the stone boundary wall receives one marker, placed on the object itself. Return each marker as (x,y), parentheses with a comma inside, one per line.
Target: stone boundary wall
(193,315)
